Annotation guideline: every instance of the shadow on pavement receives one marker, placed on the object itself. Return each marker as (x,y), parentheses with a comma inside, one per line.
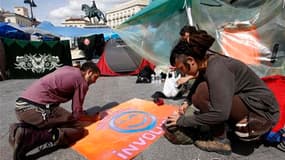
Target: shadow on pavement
(96,109)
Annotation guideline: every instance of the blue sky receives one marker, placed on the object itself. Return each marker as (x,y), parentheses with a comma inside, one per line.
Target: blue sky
(58,10)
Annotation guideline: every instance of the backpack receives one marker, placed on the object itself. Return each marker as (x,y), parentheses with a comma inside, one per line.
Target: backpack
(144,75)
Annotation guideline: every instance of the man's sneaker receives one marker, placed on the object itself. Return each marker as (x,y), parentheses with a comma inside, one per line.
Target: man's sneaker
(57,136)
(18,146)
(28,138)
(221,146)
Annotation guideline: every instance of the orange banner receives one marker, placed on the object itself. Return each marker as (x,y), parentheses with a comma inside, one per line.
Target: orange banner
(242,44)
(127,130)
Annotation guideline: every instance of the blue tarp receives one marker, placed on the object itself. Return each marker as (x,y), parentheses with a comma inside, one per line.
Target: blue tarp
(9,31)
(77,32)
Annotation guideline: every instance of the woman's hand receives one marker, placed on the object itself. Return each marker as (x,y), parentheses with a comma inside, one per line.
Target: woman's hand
(172,68)
(172,120)
(182,108)
(185,79)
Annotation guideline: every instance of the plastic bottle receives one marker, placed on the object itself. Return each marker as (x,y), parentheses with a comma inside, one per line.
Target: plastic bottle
(152,78)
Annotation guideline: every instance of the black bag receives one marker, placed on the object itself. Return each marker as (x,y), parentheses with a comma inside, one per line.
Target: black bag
(145,75)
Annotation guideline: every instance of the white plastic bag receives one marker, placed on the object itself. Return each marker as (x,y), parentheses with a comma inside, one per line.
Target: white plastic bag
(170,88)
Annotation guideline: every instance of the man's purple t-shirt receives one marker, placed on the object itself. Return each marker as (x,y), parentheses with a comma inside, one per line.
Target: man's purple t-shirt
(60,86)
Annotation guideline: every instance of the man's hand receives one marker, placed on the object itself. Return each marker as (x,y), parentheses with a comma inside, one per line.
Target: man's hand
(85,117)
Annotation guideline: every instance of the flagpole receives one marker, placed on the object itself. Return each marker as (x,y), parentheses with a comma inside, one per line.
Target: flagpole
(32,15)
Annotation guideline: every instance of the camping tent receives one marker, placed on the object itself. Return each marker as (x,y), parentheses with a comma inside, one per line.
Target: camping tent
(256,29)
(40,34)
(92,46)
(8,30)
(153,31)
(119,59)
(251,31)
(2,62)
(76,31)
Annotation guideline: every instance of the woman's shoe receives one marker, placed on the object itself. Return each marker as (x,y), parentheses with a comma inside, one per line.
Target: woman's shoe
(222,146)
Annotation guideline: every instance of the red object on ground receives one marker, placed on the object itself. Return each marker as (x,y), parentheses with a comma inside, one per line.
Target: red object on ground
(158,101)
(277,85)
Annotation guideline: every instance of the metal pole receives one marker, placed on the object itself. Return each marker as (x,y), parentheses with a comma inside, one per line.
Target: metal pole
(188,12)
(32,16)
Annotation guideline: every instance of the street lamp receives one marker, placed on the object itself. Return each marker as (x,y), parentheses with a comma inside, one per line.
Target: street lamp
(32,4)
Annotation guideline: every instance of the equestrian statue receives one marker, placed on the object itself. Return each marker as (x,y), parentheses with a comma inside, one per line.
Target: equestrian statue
(93,11)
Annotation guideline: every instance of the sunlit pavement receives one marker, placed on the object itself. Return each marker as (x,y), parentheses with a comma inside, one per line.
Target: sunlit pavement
(121,89)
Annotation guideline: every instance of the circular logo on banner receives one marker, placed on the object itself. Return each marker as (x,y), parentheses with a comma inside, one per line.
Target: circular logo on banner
(86,41)
(132,121)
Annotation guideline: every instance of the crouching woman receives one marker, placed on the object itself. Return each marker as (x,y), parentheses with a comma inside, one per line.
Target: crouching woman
(226,92)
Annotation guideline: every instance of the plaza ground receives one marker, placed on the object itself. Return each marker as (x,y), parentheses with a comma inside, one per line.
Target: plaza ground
(115,90)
